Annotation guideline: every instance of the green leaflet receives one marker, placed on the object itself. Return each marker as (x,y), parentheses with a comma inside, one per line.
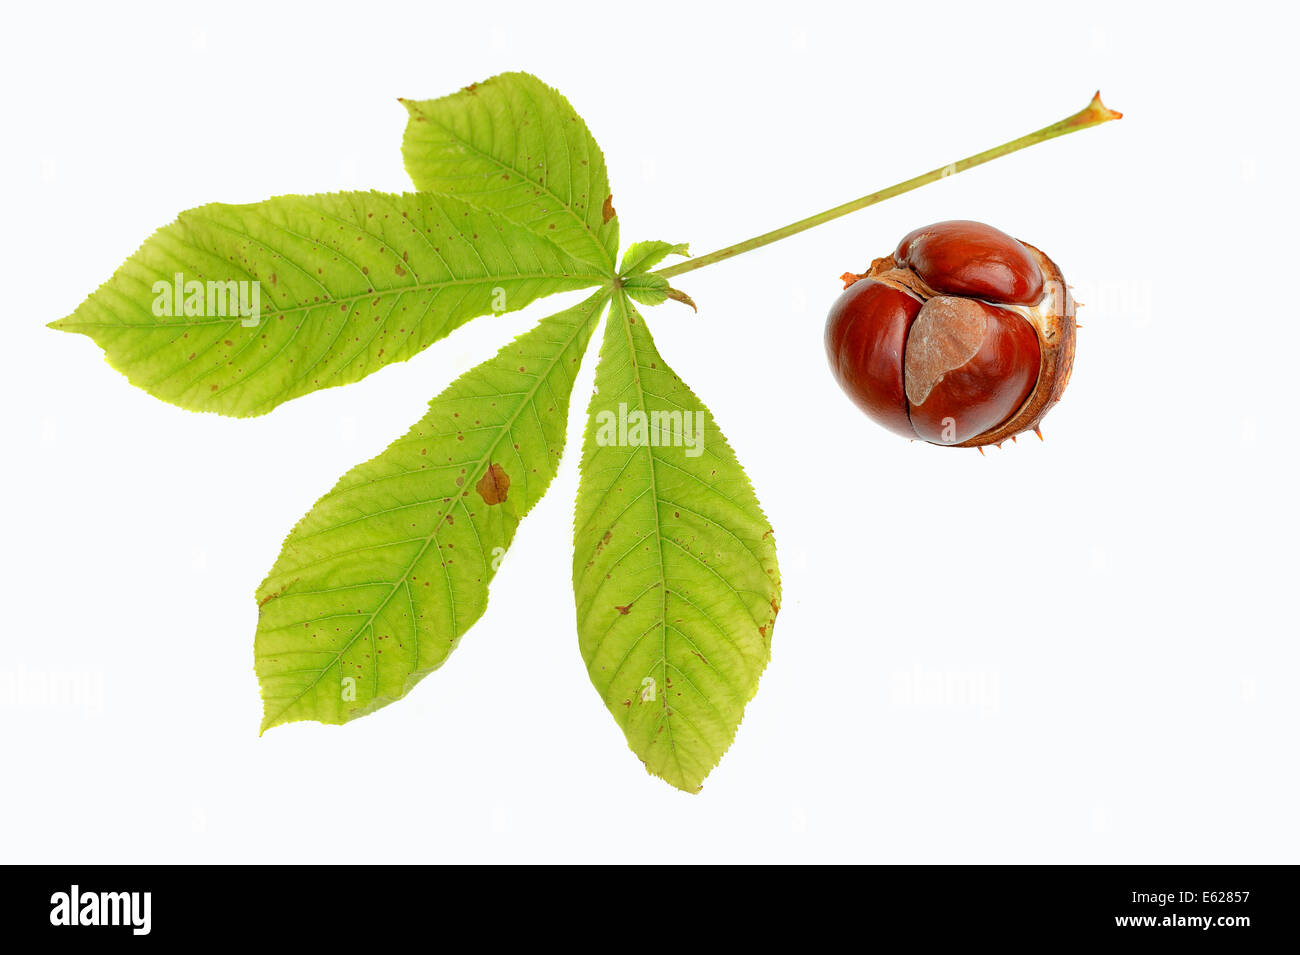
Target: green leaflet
(375,586)
(643,256)
(674,569)
(514,145)
(639,283)
(346,283)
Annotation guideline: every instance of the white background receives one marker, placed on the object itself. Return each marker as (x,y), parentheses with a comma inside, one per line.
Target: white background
(1081,650)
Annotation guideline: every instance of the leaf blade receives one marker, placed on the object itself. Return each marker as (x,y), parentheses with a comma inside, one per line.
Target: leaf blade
(515,145)
(675,577)
(641,257)
(405,545)
(351,282)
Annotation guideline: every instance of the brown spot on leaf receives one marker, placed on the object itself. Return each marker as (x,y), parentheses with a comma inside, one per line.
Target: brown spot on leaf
(398,270)
(607,210)
(494,486)
(624,610)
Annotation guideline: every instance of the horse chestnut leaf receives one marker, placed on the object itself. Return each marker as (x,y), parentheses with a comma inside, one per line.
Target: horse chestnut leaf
(963,337)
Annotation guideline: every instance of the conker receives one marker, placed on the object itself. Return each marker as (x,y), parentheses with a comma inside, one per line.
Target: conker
(963,337)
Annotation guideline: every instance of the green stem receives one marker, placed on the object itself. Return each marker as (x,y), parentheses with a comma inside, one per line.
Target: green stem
(1092,115)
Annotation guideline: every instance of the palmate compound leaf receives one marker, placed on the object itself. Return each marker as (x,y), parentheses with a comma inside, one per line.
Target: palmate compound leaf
(376,585)
(514,145)
(343,283)
(674,568)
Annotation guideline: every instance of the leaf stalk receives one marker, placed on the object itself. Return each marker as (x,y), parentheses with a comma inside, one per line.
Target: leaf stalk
(1094,114)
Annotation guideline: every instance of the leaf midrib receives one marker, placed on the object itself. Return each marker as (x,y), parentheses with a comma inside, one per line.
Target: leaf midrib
(665,714)
(592,279)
